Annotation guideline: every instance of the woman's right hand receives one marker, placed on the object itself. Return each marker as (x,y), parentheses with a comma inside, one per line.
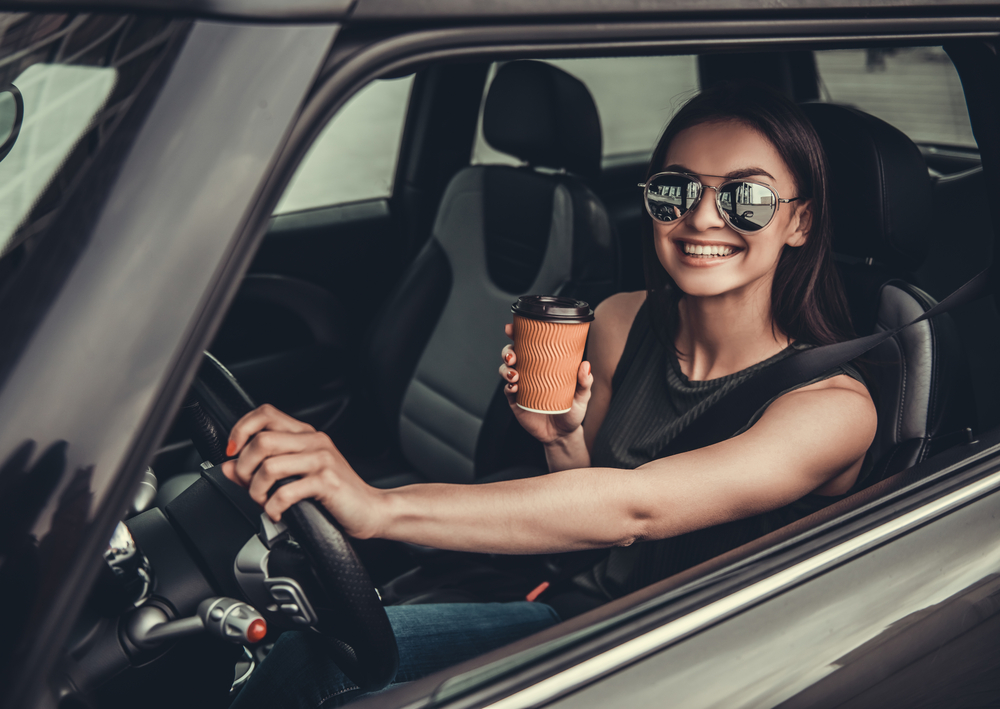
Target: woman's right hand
(547,428)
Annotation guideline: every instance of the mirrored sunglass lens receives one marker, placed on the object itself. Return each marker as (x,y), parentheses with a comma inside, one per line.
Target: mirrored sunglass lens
(669,197)
(747,206)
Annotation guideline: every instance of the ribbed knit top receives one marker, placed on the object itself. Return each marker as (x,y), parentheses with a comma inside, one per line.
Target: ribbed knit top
(652,402)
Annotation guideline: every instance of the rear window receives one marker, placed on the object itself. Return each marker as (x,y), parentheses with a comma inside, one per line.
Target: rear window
(354,158)
(916,89)
(635,98)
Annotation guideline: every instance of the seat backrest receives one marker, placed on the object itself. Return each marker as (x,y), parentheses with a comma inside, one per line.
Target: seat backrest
(500,232)
(880,191)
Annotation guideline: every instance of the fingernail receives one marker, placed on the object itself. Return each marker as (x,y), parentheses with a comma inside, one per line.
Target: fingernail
(588,367)
(231,449)
(506,358)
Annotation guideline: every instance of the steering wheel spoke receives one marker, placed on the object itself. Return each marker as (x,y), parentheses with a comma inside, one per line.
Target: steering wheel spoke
(348,609)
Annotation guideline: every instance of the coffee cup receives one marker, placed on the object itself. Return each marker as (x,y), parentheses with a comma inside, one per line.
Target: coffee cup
(550,333)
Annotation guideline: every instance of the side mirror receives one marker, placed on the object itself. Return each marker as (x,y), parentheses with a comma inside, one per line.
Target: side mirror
(11,115)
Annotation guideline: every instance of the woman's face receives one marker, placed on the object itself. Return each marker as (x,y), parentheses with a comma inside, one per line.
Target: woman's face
(748,261)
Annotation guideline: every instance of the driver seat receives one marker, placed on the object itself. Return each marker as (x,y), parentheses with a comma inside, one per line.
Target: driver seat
(880,190)
(500,232)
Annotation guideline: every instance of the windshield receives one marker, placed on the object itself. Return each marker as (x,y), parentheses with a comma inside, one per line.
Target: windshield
(76,75)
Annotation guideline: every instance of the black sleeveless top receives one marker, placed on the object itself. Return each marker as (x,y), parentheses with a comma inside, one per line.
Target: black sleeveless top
(652,402)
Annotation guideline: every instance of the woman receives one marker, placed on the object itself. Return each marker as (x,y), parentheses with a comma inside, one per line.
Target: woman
(739,275)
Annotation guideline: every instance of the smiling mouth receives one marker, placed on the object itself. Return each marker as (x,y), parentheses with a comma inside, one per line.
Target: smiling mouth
(707,251)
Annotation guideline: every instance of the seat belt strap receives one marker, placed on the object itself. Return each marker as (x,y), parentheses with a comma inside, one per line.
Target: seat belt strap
(732,411)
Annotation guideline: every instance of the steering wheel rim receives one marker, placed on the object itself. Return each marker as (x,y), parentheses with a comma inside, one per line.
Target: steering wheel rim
(363,643)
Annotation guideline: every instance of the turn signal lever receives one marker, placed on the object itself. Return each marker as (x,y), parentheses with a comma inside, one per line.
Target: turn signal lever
(227,618)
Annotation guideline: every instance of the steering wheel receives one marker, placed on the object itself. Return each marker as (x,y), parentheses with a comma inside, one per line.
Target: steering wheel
(351,616)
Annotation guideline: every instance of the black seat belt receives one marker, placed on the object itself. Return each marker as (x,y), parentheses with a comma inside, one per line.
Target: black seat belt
(731,412)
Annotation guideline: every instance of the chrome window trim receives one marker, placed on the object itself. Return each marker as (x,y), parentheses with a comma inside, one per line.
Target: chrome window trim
(660,638)
(958,176)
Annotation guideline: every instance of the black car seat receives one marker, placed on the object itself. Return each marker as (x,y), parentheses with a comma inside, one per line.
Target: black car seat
(500,232)
(880,192)
(948,265)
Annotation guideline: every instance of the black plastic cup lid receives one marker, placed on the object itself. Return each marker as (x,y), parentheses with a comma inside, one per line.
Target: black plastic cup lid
(552,308)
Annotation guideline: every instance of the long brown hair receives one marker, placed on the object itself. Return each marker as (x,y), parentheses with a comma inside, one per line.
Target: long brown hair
(807,297)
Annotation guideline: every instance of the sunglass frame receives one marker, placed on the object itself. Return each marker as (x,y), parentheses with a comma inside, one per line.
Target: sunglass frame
(695,178)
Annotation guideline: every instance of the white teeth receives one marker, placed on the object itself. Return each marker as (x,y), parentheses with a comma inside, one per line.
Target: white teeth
(707,250)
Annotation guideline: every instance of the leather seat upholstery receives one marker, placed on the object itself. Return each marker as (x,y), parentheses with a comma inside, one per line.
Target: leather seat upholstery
(500,232)
(880,194)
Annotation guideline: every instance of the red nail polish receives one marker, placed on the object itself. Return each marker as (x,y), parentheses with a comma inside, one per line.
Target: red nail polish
(231,449)
(507,358)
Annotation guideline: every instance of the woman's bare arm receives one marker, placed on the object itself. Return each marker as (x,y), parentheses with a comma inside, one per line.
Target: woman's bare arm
(804,441)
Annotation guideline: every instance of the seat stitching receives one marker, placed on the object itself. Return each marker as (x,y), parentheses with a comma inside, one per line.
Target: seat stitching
(435,436)
(932,403)
(447,398)
(902,388)
(328,697)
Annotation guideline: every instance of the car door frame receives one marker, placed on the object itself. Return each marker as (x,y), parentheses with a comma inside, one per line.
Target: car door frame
(102,424)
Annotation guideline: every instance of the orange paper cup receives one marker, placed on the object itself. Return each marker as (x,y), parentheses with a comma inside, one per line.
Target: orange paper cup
(550,333)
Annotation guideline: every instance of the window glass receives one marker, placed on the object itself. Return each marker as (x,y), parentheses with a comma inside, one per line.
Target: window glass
(77,76)
(354,158)
(916,89)
(635,98)
(60,103)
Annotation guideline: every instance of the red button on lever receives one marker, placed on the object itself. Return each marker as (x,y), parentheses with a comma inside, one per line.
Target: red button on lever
(257,630)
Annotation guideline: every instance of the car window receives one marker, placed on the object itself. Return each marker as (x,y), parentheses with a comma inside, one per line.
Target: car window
(354,158)
(635,98)
(916,89)
(77,76)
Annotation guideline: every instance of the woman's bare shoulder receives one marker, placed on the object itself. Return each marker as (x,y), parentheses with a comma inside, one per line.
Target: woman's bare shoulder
(612,322)
(840,381)
(617,312)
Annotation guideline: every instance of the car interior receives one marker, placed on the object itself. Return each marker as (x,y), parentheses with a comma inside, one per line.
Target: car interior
(379,320)
(397,379)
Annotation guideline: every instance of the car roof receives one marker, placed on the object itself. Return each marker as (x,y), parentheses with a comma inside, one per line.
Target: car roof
(621,9)
(388,10)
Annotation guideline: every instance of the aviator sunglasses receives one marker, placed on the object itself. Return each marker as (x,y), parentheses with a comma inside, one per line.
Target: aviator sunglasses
(747,206)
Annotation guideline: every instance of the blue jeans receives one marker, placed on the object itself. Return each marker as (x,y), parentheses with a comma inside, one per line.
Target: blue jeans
(298,672)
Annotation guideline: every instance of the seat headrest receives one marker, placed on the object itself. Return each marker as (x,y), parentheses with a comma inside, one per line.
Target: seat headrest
(880,190)
(543,116)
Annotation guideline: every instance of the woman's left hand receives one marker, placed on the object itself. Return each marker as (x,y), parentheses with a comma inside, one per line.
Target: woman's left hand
(271,446)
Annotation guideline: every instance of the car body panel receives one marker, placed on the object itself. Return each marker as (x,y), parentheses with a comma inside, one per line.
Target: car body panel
(838,631)
(523,9)
(112,334)
(297,10)
(393,10)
